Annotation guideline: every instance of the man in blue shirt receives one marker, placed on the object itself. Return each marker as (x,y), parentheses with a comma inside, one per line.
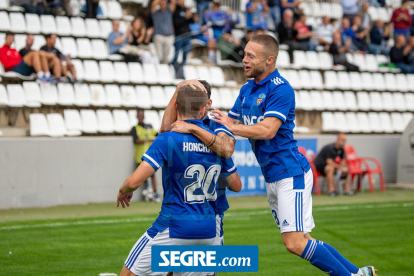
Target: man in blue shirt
(256,14)
(190,174)
(264,112)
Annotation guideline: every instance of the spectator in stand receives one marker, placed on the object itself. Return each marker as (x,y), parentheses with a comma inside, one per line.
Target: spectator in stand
(410,55)
(260,31)
(60,63)
(360,35)
(226,45)
(30,6)
(161,13)
(287,34)
(182,18)
(338,50)
(402,20)
(256,14)
(325,31)
(33,62)
(200,33)
(92,7)
(349,8)
(202,6)
(116,40)
(218,20)
(290,5)
(412,24)
(239,50)
(28,48)
(379,35)
(274,11)
(304,35)
(399,55)
(364,15)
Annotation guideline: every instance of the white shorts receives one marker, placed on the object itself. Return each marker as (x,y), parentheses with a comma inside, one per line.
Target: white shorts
(217,240)
(139,259)
(290,201)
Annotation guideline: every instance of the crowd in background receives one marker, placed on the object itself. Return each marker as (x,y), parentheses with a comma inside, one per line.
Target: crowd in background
(169,23)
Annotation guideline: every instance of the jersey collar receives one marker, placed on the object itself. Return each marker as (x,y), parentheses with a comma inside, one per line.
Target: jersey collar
(194,121)
(273,75)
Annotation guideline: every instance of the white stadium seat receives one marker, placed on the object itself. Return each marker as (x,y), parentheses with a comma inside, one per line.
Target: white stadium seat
(163,73)
(98,97)
(89,121)
(39,41)
(355,81)
(409,101)
(84,48)
(344,82)
(375,122)
(359,61)
(121,121)
(48,24)
(367,81)
(341,122)
(364,122)
(15,95)
(19,41)
(325,61)
(226,98)
(69,47)
(63,26)
(169,92)
(364,102)
(150,73)
(305,79)
(91,70)
(390,82)
(92,28)
(376,101)
(371,63)
(397,122)
(190,72)
(316,79)
(299,59)
(388,101)
(331,80)
(113,95)
(132,116)
(82,94)
(105,27)
(73,122)
(4,99)
(78,26)
(107,71)
(339,100)
(215,98)
(292,77)
(105,121)
(305,98)
(33,97)
(312,60)
(5,21)
(350,100)
(135,72)
(298,102)
(143,96)
(386,124)
(402,83)
(410,81)
(283,60)
(203,73)
(217,76)
(316,99)
(56,125)
(399,102)
(158,99)
(379,81)
(353,124)
(38,125)
(114,10)
(407,118)
(32,23)
(99,49)
(328,122)
(66,95)
(328,101)
(49,94)
(128,96)
(17,22)
(121,72)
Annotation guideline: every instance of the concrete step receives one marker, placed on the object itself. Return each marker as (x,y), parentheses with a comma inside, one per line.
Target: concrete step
(14,131)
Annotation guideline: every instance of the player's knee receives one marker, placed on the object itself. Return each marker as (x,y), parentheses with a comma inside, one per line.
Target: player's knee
(293,247)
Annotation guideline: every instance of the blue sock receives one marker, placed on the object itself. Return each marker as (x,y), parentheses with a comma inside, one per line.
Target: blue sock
(352,268)
(320,257)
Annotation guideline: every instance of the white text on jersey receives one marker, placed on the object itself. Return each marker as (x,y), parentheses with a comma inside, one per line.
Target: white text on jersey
(254,120)
(197,147)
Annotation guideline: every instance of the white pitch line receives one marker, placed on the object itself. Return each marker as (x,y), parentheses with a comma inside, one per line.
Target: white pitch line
(232,214)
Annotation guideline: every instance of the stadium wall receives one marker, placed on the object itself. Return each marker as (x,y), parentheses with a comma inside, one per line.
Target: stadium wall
(40,172)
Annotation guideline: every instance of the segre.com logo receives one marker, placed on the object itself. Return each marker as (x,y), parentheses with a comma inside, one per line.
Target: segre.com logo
(201,258)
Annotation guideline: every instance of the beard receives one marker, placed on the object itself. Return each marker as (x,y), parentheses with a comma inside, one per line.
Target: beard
(254,72)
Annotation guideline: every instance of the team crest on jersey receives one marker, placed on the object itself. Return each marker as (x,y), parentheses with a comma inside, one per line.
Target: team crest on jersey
(260,98)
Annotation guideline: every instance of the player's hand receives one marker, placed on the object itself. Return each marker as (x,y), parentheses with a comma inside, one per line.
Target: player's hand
(193,84)
(220,117)
(124,199)
(181,127)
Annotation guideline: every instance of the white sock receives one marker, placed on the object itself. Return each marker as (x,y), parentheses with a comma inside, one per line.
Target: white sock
(360,272)
(40,74)
(47,74)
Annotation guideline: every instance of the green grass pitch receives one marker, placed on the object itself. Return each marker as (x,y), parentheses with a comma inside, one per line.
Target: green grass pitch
(91,239)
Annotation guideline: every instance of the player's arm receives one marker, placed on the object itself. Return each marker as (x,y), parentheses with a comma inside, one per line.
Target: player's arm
(170,114)
(265,129)
(233,182)
(133,182)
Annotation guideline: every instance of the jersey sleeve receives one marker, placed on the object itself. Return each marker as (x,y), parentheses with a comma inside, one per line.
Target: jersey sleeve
(156,155)
(279,102)
(236,111)
(217,128)
(228,167)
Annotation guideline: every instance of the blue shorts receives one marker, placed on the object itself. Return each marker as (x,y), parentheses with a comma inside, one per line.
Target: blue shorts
(23,69)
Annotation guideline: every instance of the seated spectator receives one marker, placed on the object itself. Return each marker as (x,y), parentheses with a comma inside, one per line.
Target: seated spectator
(60,63)
(287,34)
(28,48)
(337,50)
(116,40)
(379,36)
(226,45)
(376,3)
(201,33)
(292,5)
(325,31)
(202,6)
(182,18)
(30,6)
(239,50)
(218,20)
(304,33)
(364,15)
(360,35)
(274,11)
(399,55)
(331,163)
(31,63)
(349,8)
(256,14)
(163,27)
(402,20)
(410,55)
(412,24)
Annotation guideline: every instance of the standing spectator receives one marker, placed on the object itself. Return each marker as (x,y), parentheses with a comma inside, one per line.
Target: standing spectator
(325,31)
(31,63)
(304,33)
(116,40)
(28,48)
(402,20)
(92,7)
(226,45)
(287,33)
(379,36)
(30,6)
(291,5)
(399,55)
(331,163)
(200,33)
(163,27)
(274,11)
(202,6)
(182,18)
(143,135)
(218,20)
(64,62)
(350,8)
(337,50)
(256,14)
(364,15)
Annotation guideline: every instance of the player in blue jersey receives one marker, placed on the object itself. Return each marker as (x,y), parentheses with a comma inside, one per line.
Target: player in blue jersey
(190,173)
(264,112)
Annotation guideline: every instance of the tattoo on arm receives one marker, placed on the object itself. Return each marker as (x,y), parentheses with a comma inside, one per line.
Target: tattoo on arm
(212,141)
(237,122)
(222,144)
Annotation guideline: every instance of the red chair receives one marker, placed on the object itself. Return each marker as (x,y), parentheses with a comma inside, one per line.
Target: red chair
(359,167)
(316,174)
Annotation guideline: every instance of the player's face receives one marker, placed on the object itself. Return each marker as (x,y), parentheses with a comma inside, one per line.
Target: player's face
(254,63)
(209,103)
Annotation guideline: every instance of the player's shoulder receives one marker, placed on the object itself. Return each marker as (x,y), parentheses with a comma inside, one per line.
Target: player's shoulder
(279,84)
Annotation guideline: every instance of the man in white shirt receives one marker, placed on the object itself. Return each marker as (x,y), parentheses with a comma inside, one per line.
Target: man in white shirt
(325,31)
